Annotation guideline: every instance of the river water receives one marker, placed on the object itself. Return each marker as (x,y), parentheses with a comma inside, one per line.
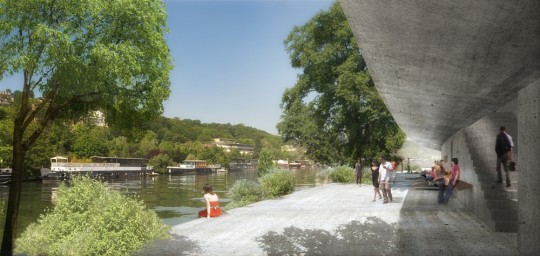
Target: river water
(175,198)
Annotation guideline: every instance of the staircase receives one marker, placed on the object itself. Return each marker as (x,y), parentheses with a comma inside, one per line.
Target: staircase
(501,201)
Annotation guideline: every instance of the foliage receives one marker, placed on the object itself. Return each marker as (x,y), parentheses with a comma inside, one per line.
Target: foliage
(343,174)
(244,192)
(277,183)
(90,219)
(334,110)
(266,163)
(108,55)
(160,162)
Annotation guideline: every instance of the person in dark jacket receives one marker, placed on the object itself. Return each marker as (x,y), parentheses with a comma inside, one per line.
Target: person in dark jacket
(502,147)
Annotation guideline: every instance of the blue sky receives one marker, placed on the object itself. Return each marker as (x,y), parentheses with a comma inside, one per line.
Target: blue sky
(230,64)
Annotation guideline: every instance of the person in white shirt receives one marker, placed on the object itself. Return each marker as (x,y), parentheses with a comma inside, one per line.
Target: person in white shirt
(385,177)
(511,145)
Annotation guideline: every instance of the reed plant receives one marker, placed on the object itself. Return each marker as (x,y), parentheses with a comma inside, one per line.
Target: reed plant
(244,192)
(343,174)
(90,219)
(277,183)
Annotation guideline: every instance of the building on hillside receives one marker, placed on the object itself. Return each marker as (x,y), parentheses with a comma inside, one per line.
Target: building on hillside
(6,98)
(291,148)
(97,117)
(229,145)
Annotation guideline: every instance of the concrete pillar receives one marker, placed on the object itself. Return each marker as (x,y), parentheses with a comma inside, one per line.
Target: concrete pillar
(529,167)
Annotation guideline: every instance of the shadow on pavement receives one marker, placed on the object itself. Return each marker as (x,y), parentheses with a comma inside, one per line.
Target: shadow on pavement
(372,237)
(178,245)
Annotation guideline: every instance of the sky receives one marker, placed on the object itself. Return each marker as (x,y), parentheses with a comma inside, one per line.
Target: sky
(230,63)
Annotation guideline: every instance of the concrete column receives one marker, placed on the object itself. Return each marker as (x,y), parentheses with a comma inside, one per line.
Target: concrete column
(529,169)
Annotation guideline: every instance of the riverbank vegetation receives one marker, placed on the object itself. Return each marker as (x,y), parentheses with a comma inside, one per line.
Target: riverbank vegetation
(273,183)
(91,219)
(164,142)
(347,174)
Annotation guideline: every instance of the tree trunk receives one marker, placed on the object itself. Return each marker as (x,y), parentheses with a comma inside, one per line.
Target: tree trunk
(12,213)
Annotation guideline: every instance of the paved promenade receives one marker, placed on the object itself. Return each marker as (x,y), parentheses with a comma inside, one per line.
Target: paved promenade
(341,219)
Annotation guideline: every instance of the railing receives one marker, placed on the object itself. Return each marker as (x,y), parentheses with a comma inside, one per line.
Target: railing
(85,165)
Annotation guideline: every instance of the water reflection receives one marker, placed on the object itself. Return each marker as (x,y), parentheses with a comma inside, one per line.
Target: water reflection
(175,198)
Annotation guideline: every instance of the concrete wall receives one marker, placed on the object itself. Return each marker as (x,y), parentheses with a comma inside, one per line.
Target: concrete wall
(474,148)
(528,165)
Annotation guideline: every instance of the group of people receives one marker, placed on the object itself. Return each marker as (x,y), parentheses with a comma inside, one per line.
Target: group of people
(446,182)
(382,176)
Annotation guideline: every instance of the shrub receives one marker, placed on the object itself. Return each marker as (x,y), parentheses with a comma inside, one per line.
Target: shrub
(244,192)
(277,183)
(266,164)
(343,174)
(90,219)
(366,176)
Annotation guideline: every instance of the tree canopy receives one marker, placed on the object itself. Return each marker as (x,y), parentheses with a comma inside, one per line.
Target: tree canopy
(81,55)
(334,110)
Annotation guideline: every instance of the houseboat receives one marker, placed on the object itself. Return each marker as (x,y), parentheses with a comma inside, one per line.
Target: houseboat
(192,166)
(5,175)
(99,167)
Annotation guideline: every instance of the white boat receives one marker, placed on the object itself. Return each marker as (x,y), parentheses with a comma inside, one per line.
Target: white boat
(190,166)
(221,170)
(100,166)
(5,175)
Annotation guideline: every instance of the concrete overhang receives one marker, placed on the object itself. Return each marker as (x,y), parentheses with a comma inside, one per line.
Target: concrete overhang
(442,65)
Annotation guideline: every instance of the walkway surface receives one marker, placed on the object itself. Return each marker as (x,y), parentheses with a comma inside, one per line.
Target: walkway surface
(341,219)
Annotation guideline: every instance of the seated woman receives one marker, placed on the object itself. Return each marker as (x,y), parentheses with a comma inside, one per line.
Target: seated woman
(212,203)
(441,181)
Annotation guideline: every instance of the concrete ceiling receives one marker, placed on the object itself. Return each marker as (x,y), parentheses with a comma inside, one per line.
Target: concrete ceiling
(440,65)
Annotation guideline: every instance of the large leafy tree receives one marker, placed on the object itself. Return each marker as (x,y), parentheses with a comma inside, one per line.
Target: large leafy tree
(80,55)
(334,110)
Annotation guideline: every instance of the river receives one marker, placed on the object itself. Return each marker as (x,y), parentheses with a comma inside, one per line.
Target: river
(175,198)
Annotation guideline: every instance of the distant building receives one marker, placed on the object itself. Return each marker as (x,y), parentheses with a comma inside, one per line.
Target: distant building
(291,148)
(98,118)
(6,98)
(229,145)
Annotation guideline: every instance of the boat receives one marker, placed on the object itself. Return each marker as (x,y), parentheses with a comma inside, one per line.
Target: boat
(100,166)
(190,166)
(222,170)
(5,175)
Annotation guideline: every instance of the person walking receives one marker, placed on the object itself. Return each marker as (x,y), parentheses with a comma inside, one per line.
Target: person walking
(385,177)
(503,147)
(454,179)
(358,168)
(375,180)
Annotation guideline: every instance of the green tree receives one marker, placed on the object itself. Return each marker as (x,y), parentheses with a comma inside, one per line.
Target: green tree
(81,55)
(87,145)
(266,163)
(119,146)
(333,110)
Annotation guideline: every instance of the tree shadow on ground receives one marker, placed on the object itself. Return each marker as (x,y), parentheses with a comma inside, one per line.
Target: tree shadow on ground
(178,245)
(372,237)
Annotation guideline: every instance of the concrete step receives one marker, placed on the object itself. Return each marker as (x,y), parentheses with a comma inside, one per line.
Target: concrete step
(506,226)
(501,215)
(502,203)
(500,194)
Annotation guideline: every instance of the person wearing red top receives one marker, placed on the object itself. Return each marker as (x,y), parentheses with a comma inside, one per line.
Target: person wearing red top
(454,179)
(212,203)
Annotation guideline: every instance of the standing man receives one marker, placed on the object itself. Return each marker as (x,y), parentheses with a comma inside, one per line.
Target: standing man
(503,147)
(358,168)
(454,178)
(385,176)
